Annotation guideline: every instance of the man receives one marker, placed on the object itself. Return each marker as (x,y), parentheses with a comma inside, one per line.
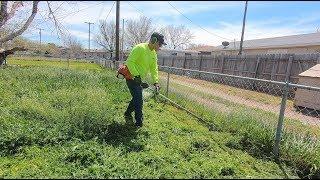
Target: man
(142,59)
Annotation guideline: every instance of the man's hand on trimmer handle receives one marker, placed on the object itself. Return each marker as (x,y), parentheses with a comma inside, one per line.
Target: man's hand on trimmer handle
(137,80)
(144,85)
(157,88)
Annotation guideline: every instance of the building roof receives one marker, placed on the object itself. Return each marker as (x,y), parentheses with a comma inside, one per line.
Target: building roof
(177,50)
(299,40)
(312,72)
(204,48)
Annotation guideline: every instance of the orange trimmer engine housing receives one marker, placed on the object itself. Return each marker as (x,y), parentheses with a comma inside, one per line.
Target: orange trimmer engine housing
(124,71)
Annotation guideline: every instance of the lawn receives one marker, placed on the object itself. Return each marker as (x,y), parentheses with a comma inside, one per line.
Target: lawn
(254,127)
(60,122)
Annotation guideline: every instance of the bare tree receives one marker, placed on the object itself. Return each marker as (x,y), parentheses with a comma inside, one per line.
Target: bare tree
(6,15)
(138,31)
(107,36)
(176,36)
(74,47)
(12,25)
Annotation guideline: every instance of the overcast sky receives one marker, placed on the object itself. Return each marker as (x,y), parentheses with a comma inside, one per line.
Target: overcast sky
(221,21)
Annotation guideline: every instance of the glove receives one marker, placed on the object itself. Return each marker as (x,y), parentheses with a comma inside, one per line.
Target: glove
(157,88)
(156,85)
(137,80)
(144,85)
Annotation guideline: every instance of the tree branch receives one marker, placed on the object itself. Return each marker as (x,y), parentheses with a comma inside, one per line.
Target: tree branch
(13,9)
(55,21)
(3,12)
(24,27)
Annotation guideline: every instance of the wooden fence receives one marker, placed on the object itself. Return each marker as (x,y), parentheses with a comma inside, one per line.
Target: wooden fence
(276,67)
(270,66)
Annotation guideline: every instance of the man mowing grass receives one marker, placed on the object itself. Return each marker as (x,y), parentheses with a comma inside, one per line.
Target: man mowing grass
(142,59)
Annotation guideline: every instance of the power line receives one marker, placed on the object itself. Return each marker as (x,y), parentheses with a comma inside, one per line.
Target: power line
(58,27)
(110,11)
(46,23)
(135,8)
(100,13)
(138,10)
(75,12)
(58,7)
(97,19)
(45,20)
(197,24)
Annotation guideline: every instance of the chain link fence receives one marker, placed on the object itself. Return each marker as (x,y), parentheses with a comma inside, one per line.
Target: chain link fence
(278,118)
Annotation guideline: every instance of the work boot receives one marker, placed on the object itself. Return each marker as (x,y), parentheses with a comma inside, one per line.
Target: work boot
(128,118)
(138,125)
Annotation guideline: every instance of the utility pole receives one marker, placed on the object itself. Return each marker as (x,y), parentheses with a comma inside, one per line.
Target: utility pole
(40,38)
(40,34)
(243,26)
(89,32)
(122,39)
(117,30)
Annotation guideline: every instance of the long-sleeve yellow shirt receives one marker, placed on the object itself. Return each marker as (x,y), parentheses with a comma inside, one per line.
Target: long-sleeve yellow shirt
(142,60)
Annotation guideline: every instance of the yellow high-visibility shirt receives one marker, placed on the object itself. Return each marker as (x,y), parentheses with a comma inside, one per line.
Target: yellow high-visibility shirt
(142,60)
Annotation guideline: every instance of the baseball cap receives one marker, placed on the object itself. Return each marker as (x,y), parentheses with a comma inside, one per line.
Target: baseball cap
(159,37)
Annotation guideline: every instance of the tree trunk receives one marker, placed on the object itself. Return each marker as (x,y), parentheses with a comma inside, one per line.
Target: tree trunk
(4,54)
(2,58)
(24,27)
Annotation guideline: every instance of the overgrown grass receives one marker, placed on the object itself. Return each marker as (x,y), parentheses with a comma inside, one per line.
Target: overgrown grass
(67,123)
(243,93)
(267,116)
(255,130)
(53,62)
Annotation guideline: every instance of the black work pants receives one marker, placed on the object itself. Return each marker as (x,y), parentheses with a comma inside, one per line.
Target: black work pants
(136,102)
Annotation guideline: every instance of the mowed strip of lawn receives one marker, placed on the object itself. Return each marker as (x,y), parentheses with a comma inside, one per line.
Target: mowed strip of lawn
(67,123)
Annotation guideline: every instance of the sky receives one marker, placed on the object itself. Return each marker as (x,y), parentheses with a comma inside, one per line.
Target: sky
(211,22)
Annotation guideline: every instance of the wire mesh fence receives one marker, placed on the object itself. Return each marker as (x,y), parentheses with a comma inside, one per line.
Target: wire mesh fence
(270,109)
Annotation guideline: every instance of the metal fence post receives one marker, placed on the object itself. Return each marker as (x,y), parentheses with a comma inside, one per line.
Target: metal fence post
(281,118)
(168,77)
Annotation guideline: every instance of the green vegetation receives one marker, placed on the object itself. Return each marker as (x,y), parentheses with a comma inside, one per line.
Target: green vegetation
(52,62)
(67,123)
(254,130)
(243,93)
(268,116)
